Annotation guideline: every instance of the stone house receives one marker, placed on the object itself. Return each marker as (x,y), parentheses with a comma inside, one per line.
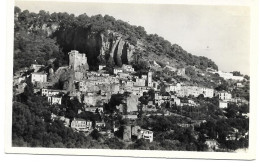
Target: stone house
(225,96)
(212,144)
(54,100)
(78,124)
(117,70)
(38,77)
(223,104)
(51,92)
(139,133)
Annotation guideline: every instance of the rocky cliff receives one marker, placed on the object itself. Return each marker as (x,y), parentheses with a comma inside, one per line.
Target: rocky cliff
(100,48)
(103,39)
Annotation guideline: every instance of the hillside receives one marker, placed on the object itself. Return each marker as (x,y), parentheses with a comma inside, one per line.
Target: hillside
(105,40)
(73,95)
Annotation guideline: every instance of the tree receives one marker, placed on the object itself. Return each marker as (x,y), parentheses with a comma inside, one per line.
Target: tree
(114,143)
(236,73)
(232,111)
(201,97)
(28,91)
(20,119)
(222,87)
(247,77)
(17,10)
(95,134)
(140,144)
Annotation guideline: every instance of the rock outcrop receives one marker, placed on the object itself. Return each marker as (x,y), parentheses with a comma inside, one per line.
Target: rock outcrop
(98,47)
(120,51)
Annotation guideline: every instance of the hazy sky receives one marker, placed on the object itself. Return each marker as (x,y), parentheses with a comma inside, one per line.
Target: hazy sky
(221,33)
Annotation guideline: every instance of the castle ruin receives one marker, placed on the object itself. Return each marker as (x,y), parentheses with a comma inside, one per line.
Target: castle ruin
(78,61)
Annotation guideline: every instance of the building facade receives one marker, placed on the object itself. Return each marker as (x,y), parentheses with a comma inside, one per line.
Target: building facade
(78,123)
(54,100)
(223,104)
(225,96)
(38,77)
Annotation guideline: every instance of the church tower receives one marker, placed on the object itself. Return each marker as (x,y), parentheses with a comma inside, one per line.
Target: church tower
(149,79)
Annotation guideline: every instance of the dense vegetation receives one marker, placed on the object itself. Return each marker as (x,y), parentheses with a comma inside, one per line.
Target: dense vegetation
(39,37)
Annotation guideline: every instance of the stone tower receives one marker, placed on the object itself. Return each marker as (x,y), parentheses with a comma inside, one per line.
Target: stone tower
(78,61)
(149,79)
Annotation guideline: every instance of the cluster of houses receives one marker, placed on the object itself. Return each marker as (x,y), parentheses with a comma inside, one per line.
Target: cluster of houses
(135,132)
(94,88)
(79,124)
(225,98)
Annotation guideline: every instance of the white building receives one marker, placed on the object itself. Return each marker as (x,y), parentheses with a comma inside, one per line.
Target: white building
(207,92)
(89,125)
(147,134)
(78,124)
(54,100)
(239,85)
(128,68)
(51,92)
(101,67)
(117,70)
(173,88)
(223,104)
(142,133)
(212,144)
(176,101)
(99,125)
(139,82)
(38,77)
(224,96)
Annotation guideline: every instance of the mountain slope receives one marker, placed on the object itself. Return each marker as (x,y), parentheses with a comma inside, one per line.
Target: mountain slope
(105,40)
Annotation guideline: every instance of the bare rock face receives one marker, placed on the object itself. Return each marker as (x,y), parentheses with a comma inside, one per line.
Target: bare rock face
(115,48)
(104,49)
(100,48)
(114,45)
(119,53)
(130,51)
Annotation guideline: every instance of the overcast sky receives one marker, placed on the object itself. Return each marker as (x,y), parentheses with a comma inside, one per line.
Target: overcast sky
(220,33)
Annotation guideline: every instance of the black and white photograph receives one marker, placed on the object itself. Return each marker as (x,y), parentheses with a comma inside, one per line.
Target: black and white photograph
(132,79)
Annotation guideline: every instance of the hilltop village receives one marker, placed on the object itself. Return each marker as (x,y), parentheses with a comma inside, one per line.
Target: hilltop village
(120,102)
